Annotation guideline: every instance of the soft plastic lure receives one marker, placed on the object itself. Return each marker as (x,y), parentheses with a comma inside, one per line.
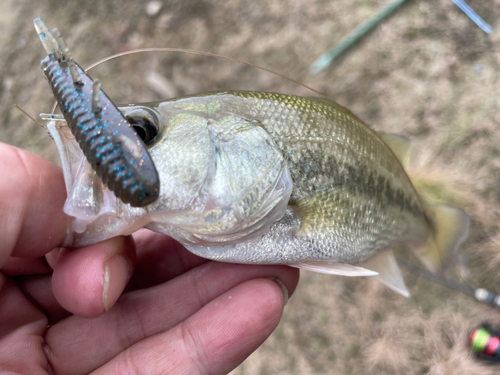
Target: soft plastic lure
(109,142)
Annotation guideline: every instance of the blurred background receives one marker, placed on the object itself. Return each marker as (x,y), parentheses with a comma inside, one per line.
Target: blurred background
(427,72)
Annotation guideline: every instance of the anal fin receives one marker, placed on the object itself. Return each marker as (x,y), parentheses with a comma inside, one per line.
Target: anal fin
(388,271)
(334,268)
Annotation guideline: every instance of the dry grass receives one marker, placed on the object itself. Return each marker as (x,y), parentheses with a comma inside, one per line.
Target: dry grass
(427,72)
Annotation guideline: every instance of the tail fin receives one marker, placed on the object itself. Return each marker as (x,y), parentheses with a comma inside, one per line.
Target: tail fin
(450,225)
(451,228)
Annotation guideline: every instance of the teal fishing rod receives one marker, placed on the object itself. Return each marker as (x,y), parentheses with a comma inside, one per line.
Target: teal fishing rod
(326,59)
(359,32)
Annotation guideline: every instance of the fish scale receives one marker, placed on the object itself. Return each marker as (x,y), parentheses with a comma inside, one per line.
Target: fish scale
(334,161)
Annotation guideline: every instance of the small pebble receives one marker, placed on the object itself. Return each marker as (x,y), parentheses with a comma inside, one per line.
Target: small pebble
(478,67)
(153,7)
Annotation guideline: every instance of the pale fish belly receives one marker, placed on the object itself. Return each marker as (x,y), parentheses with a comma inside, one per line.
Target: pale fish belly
(357,239)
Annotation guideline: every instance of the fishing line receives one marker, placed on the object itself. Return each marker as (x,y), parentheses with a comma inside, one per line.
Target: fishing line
(26,113)
(194,52)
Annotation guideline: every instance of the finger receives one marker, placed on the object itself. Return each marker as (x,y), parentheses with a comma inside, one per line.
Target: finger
(87,281)
(83,344)
(21,330)
(32,194)
(214,340)
(159,259)
(39,290)
(15,266)
(51,257)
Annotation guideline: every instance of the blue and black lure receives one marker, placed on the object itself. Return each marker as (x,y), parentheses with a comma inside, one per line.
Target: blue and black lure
(109,142)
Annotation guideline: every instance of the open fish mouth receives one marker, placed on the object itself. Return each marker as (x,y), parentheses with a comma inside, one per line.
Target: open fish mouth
(109,142)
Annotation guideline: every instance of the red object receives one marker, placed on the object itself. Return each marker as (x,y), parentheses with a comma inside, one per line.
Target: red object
(492,346)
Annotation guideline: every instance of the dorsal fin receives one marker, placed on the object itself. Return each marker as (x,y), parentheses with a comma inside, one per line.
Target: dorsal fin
(388,271)
(399,145)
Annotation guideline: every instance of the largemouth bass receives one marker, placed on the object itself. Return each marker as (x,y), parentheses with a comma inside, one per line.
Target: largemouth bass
(267,178)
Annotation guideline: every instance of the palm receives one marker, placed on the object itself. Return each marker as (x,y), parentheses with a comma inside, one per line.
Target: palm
(178,314)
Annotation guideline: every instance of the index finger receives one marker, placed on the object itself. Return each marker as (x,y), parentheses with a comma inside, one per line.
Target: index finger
(32,195)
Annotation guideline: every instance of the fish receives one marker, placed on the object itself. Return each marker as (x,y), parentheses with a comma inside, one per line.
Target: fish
(266,178)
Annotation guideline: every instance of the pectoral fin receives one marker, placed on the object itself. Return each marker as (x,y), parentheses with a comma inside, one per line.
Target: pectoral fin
(335,268)
(388,271)
(321,212)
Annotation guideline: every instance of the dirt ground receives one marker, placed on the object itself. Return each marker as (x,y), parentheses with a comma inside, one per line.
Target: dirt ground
(428,72)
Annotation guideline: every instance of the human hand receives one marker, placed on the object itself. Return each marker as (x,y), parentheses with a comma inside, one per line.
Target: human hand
(179,314)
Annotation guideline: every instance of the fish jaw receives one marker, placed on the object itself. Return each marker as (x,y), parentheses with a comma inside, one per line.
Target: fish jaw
(94,213)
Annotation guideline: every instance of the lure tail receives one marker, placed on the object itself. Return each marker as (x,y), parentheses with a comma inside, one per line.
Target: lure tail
(107,139)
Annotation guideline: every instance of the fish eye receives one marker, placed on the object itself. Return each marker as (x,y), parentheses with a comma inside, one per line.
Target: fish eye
(145,123)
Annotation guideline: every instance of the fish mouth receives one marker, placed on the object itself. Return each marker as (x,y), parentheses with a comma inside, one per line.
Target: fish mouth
(108,140)
(94,212)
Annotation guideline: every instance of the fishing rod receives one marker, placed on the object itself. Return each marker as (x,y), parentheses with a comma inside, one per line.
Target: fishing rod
(484,340)
(480,294)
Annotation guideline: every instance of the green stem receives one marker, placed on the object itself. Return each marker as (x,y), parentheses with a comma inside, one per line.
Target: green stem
(326,59)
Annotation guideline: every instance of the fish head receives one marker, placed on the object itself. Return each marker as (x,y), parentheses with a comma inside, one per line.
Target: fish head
(222,179)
